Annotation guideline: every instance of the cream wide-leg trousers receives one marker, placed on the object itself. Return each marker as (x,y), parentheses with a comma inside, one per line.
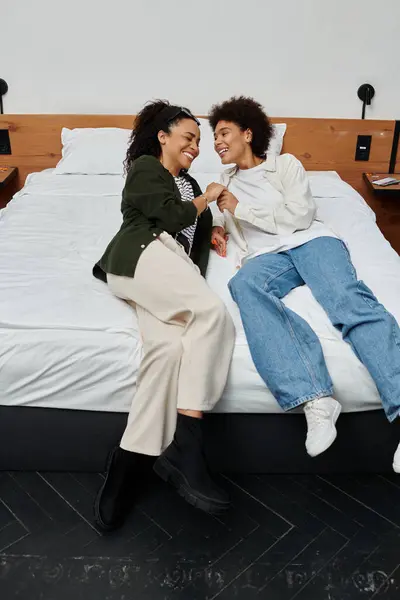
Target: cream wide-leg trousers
(188,339)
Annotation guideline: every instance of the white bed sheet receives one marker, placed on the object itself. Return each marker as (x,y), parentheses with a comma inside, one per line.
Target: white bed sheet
(66,342)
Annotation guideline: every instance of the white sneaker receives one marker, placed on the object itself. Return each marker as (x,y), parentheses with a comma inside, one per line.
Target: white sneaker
(321,416)
(396,460)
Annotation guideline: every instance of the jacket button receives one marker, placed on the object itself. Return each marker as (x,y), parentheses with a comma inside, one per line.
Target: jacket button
(154,235)
(143,246)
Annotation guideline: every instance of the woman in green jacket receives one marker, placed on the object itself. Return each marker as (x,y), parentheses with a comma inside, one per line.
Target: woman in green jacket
(157,263)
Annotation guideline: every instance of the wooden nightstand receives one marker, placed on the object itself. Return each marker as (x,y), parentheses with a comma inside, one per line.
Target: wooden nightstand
(8,184)
(385,202)
(391,192)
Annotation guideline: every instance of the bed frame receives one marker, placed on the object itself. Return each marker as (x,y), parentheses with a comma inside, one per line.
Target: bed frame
(49,439)
(321,144)
(54,439)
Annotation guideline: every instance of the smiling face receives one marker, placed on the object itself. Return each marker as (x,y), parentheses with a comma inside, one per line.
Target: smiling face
(231,143)
(179,146)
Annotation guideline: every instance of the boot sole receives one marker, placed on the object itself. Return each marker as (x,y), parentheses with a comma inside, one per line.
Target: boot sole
(168,473)
(97,515)
(333,437)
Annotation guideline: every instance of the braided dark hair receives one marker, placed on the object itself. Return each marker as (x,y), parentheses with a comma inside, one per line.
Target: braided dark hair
(154,116)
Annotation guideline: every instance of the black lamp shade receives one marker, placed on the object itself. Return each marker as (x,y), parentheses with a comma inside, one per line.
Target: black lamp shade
(3,87)
(365,92)
(3,90)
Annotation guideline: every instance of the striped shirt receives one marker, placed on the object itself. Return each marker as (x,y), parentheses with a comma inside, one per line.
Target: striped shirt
(186,191)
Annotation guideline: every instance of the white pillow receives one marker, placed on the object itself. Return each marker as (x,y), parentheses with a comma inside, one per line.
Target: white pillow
(92,151)
(208,160)
(276,143)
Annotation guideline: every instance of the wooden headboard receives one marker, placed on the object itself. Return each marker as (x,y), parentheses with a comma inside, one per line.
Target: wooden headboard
(321,144)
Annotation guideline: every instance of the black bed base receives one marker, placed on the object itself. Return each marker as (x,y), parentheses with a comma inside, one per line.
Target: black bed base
(45,439)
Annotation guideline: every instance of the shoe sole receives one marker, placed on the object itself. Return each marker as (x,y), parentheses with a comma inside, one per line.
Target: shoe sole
(97,516)
(168,473)
(332,438)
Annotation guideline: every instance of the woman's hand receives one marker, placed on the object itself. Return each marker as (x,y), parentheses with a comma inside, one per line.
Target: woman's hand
(213,191)
(219,240)
(201,203)
(227,201)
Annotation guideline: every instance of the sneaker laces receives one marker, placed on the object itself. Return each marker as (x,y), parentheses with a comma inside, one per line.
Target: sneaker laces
(316,415)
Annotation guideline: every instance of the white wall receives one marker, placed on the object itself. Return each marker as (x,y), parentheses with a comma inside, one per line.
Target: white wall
(298,57)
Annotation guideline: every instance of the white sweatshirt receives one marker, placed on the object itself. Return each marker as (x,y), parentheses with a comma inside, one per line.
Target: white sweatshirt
(276,211)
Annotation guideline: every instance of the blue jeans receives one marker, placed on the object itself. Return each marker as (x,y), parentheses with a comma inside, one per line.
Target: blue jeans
(286,351)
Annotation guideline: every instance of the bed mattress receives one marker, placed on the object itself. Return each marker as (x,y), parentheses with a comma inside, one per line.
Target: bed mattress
(66,342)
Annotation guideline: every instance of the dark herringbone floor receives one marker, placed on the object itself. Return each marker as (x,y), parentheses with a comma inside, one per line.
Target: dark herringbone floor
(303,537)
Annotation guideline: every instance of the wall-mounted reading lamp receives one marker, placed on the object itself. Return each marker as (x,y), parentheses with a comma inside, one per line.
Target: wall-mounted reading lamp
(365,92)
(3,90)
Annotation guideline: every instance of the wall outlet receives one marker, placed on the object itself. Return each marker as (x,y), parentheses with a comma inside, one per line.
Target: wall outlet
(363,147)
(5,146)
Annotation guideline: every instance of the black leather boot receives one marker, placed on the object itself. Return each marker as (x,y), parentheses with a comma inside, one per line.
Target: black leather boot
(126,472)
(183,465)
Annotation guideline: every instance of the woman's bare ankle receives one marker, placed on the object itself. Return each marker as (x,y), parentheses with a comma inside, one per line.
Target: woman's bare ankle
(196,414)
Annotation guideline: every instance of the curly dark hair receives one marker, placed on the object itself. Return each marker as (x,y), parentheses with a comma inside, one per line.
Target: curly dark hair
(154,116)
(246,113)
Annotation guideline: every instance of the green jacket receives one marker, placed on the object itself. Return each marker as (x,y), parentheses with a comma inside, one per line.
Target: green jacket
(151,204)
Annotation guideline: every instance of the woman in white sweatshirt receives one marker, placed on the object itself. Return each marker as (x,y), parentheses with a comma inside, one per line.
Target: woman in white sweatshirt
(269,210)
